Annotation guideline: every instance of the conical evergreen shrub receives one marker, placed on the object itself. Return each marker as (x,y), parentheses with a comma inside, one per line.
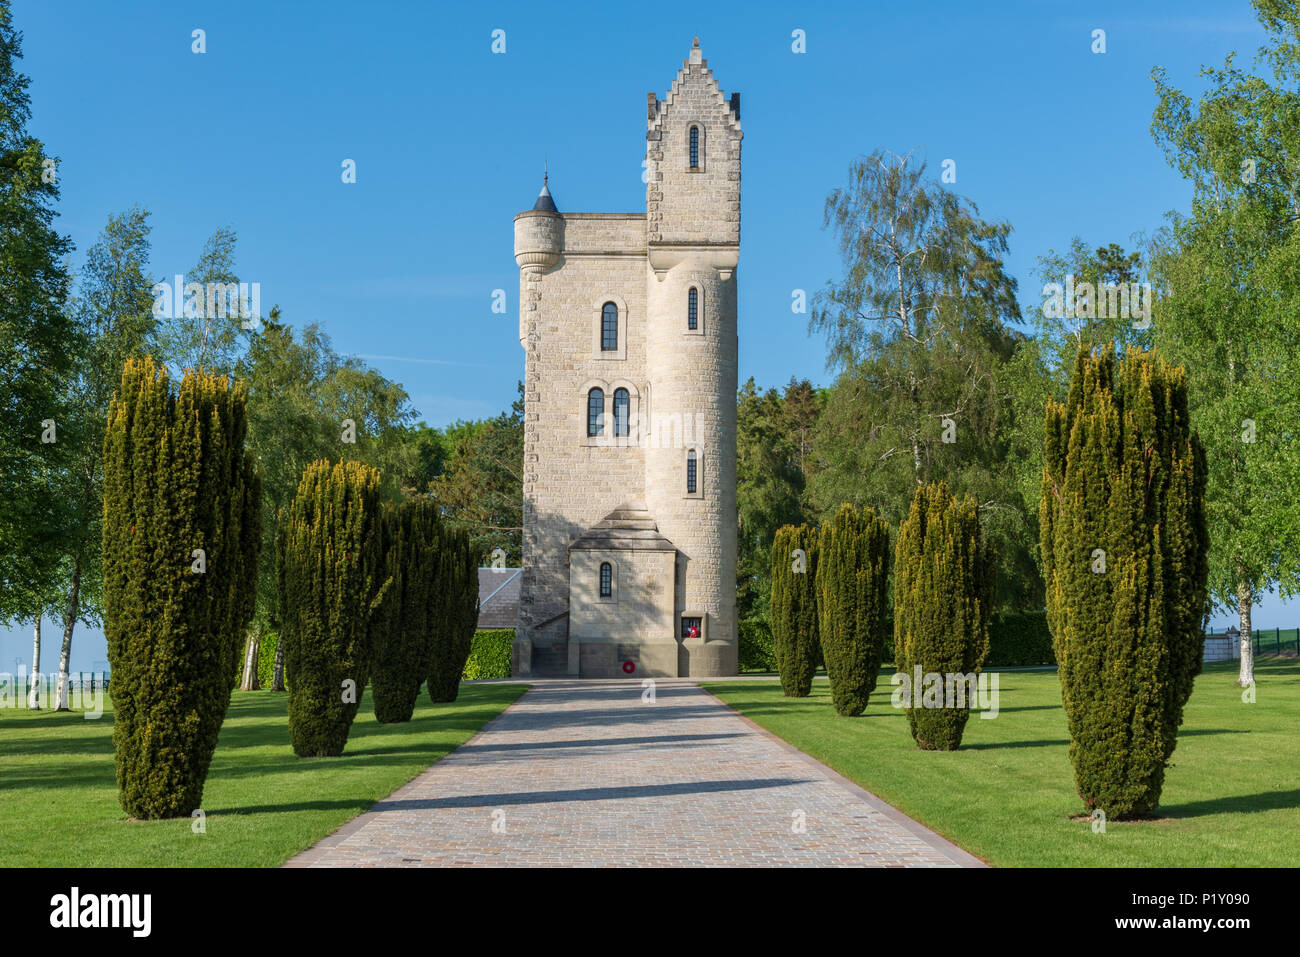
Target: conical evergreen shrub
(403,628)
(182,530)
(330,572)
(1124,547)
(456,594)
(853,603)
(794,608)
(943,592)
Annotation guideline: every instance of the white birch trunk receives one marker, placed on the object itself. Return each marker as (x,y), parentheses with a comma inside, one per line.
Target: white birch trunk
(34,696)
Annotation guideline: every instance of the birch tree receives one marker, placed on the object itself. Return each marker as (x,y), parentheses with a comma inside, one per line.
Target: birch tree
(1230,313)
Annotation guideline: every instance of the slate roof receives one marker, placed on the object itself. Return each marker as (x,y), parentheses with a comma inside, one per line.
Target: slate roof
(628,527)
(545,201)
(498,597)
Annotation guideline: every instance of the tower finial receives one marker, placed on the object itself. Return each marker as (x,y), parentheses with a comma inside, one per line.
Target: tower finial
(696,44)
(546,170)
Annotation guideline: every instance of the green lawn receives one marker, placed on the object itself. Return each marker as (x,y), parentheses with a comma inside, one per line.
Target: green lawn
(1231,796)
(58,798)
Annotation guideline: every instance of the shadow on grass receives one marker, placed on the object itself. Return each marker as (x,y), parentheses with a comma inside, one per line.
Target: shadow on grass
(356,805)
(998,746)
(1237,804)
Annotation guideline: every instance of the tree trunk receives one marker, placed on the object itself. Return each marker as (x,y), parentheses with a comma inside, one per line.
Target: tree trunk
(277,680)
(69,621)
(34,696)
(252,649)
(1247,676)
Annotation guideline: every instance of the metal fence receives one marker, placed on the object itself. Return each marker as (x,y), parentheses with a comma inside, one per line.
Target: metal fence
(1263,641)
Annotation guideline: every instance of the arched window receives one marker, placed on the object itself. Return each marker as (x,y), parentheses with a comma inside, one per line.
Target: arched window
(609,328)
(622,406)
(595,412)
(693,309)
(606,580)
(691,472)
(695,147)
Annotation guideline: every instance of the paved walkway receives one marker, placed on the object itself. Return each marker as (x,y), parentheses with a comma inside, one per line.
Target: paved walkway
(586,773)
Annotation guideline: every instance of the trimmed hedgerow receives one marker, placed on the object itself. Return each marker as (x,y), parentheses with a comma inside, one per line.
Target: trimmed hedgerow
(1020,638)
(756,651)
(489,655)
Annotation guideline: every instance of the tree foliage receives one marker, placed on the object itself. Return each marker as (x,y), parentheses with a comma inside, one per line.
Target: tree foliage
(852,603)
(403,627)
(329,568)
(1124,541)
(769,491)
(1230,312)
(918,331)
(943,594)
(456,614)
(481,486)
(794,608)
(180,540)
(37,349)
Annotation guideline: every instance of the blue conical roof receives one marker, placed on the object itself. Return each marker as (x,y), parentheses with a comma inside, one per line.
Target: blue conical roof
(544,201)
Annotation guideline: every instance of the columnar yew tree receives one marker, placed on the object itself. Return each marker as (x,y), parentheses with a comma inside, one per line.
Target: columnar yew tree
(456,591)
(1124,546)
(853,603)
(794,607)
(402,636)
(330,568)
(181,534)
(943,593)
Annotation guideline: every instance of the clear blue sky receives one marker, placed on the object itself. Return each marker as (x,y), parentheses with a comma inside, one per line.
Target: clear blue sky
(449,140)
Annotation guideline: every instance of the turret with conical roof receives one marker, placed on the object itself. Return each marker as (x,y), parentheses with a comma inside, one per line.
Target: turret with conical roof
(539,233)
(539,240)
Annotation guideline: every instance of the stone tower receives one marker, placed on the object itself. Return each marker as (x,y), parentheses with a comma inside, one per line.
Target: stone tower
(628,322)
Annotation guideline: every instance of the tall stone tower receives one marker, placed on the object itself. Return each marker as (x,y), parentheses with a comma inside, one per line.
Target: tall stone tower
(628,321)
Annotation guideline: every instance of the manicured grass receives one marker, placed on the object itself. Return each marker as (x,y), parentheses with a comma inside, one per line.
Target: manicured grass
(58,795)
(1231,796)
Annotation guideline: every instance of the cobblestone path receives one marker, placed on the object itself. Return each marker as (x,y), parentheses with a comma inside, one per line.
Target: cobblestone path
(587,773)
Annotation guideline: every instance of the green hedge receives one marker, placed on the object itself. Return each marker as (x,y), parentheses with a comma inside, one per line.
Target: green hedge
(489,655)
(265,660)
(756,651)
(1021,638)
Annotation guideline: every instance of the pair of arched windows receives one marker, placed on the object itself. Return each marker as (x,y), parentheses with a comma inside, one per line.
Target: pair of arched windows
(596,412)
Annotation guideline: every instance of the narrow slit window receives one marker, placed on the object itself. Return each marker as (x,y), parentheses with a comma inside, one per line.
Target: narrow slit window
(606,580)
(692,470)
(695,147)
(609,328)
(693,309)
(622,406)
(595,412)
